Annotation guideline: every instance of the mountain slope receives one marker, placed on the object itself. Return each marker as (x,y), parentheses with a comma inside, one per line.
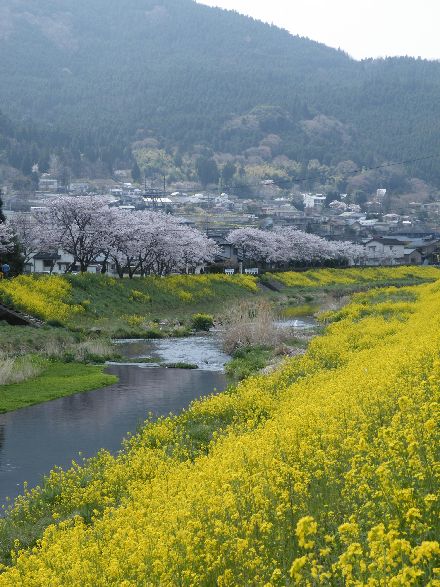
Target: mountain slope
(110,72)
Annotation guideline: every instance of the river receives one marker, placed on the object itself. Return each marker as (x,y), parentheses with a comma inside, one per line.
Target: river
(34,440)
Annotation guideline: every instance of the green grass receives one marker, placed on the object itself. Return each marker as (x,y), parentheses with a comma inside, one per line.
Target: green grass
(56,380)
(298,311)
(247,361)
(349,288)
(180,365)
(22,340)
(134,307)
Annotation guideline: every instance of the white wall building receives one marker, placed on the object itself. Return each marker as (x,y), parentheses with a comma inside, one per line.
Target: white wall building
(384,251)
(57,263)
(313,200)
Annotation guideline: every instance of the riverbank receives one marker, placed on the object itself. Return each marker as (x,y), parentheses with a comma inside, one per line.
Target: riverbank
(54,380)
(149,307)
(40,364)
(252,359)
(83,312)
(330,455)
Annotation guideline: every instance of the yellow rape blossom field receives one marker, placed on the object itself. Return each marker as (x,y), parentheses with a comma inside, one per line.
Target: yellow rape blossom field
(354,275)
(325,472)
(47,297)
(85,297)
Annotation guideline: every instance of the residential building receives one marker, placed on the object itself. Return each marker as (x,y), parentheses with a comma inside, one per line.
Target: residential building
(384,251)
(314,200)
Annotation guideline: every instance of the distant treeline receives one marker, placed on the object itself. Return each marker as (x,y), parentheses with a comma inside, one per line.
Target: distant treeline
(107,74)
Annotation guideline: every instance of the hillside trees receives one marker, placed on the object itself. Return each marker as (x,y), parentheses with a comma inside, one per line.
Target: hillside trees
(231,86)
(136,173)
(228,172)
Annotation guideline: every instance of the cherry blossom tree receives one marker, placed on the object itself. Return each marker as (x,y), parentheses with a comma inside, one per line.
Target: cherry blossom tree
(196,248)
(124,240)
(78,226)
(6,238)
(290,245)
(310,248)
(150,242)
(170,246)
(27,232)
(256,245)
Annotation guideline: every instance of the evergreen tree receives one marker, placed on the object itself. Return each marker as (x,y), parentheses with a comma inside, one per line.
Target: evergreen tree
(228,173)
(2,216)
(207,170)
(136,173)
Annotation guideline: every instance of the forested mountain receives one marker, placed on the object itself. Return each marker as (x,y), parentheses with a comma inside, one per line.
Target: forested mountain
(22,145)
(106,73)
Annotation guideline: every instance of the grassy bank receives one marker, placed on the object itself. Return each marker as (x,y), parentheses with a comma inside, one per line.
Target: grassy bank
(322,473)
(356,277)
(123,308)
(83,312)
(248,361)
(39,364)
(54,380)
(153,306)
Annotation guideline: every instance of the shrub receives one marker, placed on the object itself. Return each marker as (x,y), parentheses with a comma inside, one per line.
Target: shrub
(180,365)
(202,321)
(250,324)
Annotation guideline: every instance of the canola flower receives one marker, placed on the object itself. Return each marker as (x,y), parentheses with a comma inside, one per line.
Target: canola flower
(47,297)
(193,288)
(325,472)
(354,275)
(50,296)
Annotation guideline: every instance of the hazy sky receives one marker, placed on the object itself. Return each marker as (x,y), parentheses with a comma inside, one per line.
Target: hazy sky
(363,28)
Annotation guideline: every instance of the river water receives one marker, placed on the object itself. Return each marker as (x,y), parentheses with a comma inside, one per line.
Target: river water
(33,440)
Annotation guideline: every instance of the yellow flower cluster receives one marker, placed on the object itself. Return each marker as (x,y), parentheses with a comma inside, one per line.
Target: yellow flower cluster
(325,472)
(323,277)
(193,288)
(134,320)
(138,296)
(45,296)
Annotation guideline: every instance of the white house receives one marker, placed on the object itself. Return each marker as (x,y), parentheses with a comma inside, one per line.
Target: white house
(313,200)
(384,251)
(57,262)
(47,183)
